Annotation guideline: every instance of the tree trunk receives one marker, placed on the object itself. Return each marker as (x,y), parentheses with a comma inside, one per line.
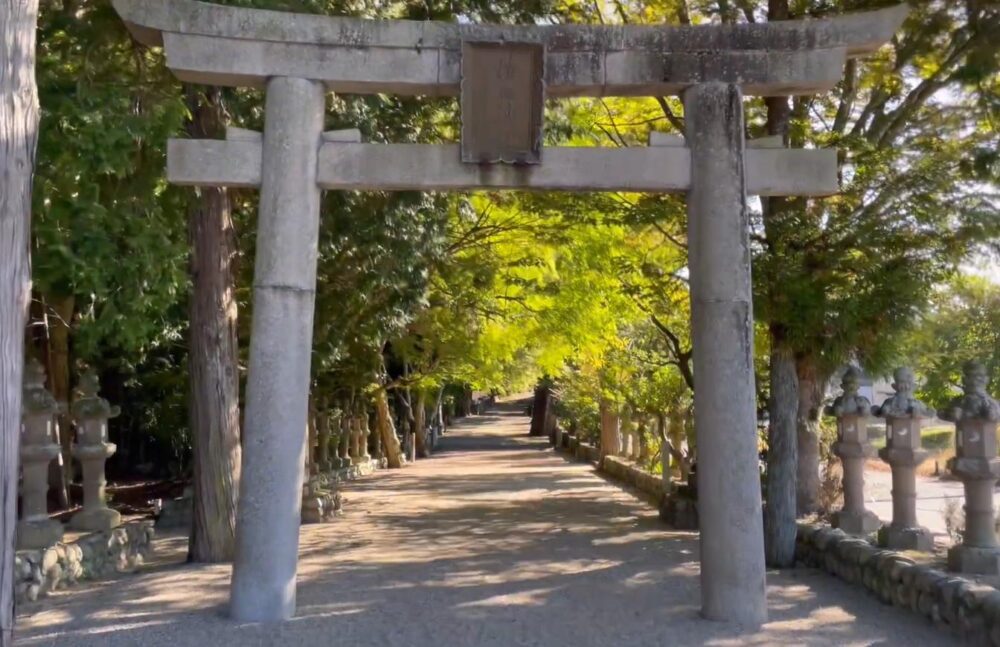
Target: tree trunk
(782,463)
(779,513)
(59,319)
(420,426)
(811,391)
(539,410)
(18,139)
(214,405)
(383,418)
(466,401)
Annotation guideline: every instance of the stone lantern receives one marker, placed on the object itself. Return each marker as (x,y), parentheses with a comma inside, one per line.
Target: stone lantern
(91,413)
(377,452)
(344,446)
(323,437)
(903,415)
(38,448)
(852,447)
(364,433)
(355,443)
(975,415)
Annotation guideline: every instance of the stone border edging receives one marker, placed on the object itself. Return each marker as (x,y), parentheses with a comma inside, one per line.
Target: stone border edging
(97,555)
(970,609)
(616,467)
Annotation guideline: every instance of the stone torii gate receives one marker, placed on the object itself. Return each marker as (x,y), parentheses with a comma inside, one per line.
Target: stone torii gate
(502,74)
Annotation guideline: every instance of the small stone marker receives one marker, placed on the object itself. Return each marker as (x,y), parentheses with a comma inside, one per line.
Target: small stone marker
(503,99)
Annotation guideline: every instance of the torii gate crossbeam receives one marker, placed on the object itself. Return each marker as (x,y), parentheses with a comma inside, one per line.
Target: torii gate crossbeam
(298,58)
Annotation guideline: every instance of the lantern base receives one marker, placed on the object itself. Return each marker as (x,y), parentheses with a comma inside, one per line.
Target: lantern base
(38,533)
(902,538)
(95,519)
(972,559)
(858,524)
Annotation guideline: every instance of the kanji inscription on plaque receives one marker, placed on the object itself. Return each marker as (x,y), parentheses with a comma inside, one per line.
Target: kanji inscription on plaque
(503,99)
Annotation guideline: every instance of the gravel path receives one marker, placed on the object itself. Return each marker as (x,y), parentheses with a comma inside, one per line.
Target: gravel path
(494,541)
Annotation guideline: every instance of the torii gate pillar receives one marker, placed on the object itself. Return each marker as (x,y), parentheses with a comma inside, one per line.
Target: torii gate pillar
(710,65)
(284,294)
(732,527)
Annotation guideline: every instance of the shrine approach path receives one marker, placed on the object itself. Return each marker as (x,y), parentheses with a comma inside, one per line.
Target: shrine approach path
(496,540)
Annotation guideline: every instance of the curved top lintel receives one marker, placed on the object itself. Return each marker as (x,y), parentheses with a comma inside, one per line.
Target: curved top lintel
(860,33)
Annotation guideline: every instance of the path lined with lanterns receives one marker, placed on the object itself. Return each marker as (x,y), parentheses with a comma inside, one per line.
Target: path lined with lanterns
(495,540)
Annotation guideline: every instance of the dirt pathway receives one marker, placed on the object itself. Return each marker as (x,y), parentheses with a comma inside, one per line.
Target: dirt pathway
(494,541)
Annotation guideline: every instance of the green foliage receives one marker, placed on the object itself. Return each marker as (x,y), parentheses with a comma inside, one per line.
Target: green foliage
(963,324)
(492,291)
(843,276)
(106,228)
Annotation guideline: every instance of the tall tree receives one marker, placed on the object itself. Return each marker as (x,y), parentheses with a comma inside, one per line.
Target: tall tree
(213,359)
(782,442)
(109,241)
(841,278)
(19,116)
(962,325)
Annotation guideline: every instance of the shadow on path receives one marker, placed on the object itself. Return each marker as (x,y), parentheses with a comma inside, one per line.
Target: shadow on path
(494,540)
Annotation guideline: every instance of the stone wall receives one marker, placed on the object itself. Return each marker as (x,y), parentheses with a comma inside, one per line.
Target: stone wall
(630,473)
(617,468)
(969,609)
(94,556)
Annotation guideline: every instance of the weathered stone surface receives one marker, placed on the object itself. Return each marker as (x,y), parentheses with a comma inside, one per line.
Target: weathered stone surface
(502,101)
(729,497)
(407,57)
(976,416)
(852,447)
(969,609)
(904,415)
(38,447)
(973,559)
(98,555)
(679,512)
(267,522)
(177,512)
(860,523)
(91,414)
(356,166)
(902,538)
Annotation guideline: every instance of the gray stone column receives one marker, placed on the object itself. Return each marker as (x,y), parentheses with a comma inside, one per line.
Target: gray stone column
(904,414)
(731,520)
(38,447)
(975,415)
(91,413)
(267,522)
(853,449)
